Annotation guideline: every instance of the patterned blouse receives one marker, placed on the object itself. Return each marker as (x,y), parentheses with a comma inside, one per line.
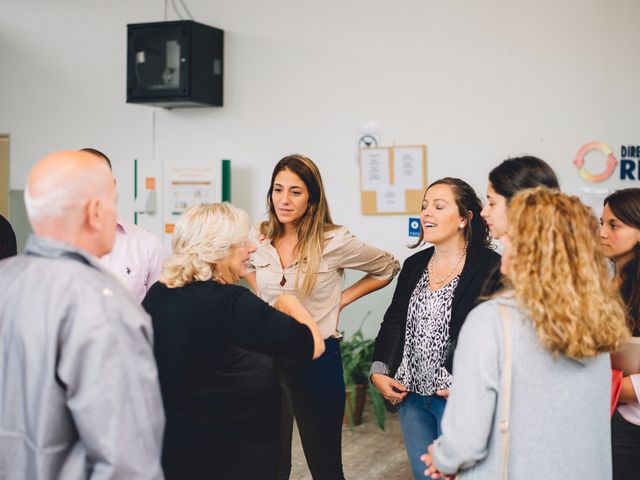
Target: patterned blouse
(427,338)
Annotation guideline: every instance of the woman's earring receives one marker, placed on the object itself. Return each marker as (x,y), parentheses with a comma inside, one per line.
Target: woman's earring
(461,226)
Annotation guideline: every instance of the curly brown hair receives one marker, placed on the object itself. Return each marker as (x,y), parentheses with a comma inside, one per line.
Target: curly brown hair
(559,274)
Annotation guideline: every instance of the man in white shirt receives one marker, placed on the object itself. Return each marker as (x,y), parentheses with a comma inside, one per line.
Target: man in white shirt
(137,255)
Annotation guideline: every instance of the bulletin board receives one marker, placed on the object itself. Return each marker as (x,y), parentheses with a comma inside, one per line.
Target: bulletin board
(392,179)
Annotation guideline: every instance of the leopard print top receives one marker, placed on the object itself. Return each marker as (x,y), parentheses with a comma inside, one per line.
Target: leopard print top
(427,338)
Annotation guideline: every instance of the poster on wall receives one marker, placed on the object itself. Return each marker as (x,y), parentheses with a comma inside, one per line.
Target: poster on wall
(188,184)
(392,179)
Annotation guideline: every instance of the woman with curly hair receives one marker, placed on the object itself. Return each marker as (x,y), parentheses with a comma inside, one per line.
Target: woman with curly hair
(213,342)
(562,316)
(620,239)
(436,289)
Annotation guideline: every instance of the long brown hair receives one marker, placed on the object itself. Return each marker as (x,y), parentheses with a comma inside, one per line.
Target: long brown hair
(560,275)
(312,226)
(625,205)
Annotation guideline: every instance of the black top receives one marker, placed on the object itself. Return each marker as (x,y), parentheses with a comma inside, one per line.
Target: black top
(214,345)
(480,276)
(7,239)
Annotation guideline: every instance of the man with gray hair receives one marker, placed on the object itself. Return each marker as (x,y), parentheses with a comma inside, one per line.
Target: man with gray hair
(79,394)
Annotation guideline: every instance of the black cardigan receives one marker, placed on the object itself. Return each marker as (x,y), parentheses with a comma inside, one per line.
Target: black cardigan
(480,276)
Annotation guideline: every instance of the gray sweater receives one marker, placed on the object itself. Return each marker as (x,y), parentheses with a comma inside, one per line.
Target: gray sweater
(559,419)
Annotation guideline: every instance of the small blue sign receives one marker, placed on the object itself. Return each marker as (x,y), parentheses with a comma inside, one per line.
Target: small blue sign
(414,227)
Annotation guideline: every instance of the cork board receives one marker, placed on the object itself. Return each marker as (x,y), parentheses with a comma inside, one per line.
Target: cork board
(392,179)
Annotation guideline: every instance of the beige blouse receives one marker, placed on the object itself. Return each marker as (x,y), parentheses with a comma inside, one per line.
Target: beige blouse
(342,250)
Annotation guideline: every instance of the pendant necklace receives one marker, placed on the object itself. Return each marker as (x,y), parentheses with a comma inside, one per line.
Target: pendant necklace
(446,277)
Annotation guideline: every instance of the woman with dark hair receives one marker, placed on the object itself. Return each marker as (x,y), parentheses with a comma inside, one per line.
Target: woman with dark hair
(620,240)
(437,287)
(507,179)
(301,251)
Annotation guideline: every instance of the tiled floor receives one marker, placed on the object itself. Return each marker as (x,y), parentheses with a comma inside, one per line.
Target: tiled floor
(367,452)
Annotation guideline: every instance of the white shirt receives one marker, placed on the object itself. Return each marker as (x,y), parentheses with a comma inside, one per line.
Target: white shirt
(136,258)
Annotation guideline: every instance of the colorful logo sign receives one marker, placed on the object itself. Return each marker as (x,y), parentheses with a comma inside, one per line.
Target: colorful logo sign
(605,150)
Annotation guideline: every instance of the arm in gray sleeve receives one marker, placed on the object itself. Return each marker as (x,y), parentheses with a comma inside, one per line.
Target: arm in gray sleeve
(106,366)
(468,418)
(378,367)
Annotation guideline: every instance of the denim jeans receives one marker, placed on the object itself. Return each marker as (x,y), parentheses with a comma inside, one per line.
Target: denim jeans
(420,418)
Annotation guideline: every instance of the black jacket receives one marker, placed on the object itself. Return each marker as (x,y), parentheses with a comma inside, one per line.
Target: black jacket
(480,276)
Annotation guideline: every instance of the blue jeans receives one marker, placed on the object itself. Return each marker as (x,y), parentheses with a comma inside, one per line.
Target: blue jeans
(420,419)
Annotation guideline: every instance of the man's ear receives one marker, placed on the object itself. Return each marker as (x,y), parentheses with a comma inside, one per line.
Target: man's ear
(94,213)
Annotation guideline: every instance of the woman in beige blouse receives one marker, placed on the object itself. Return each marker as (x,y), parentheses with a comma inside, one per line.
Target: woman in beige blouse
(302,252)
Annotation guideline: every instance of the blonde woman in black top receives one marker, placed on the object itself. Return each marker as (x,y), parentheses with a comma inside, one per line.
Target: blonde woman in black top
(213,343)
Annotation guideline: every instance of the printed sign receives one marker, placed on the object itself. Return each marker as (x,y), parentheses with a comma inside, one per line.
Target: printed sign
(414,227)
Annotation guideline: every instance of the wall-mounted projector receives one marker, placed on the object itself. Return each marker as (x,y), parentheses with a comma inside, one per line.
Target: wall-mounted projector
(174,64)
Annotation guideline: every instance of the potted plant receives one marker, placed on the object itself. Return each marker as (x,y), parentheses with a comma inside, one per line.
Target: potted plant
(357,352)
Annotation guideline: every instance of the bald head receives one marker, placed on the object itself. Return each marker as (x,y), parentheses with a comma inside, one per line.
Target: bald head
(70,196)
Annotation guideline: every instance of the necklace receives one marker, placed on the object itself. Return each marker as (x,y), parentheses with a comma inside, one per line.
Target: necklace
(453,269)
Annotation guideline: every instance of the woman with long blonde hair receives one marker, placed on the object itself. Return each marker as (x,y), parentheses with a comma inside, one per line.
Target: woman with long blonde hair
(302,252)
(564,316)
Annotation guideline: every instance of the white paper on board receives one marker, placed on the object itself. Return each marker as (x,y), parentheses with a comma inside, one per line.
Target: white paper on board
(390,200)
(374,166)
(408,167)
(594,198)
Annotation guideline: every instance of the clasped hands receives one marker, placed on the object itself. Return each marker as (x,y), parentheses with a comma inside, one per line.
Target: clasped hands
(389,388)
(394,391)
(431,470)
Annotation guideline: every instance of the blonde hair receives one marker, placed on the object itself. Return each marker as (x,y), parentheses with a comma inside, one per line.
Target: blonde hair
(313,225)
(559,274)
(204,235)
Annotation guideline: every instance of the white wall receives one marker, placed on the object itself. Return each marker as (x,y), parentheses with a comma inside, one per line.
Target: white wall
(474,81)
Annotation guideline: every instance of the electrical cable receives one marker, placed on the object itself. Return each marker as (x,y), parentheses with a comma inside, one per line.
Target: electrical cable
(175,9)
(184,5)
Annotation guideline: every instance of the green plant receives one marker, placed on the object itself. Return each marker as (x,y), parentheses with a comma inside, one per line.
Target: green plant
(357,352)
